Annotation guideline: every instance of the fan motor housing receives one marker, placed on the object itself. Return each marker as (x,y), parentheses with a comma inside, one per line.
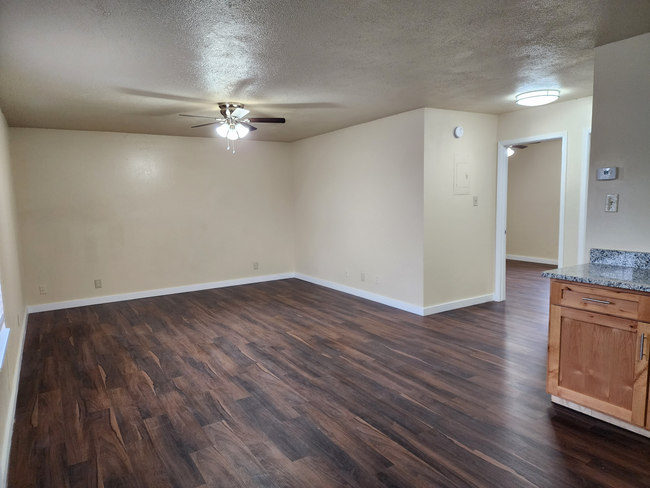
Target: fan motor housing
(229,107)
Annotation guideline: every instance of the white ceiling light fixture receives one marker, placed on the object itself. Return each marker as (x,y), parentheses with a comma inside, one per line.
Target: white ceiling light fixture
(222,130)
(537,98)
(510,151)
(234,125)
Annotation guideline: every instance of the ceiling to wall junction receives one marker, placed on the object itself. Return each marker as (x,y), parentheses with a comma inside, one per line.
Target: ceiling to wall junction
(134,65)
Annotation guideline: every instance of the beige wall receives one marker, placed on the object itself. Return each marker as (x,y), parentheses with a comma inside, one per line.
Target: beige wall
(14,305)
(574,117)
(459,237)
(145,212)
(621,137)
(359,206)
(534,200)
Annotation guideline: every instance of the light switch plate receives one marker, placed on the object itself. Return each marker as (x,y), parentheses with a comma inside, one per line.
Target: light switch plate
(611,203)
(607,173)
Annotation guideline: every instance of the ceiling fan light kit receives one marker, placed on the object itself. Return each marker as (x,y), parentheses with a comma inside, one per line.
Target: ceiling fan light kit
(234,126)
(537,97)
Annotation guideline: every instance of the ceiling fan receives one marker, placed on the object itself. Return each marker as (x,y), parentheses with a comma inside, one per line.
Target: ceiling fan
(511,149)
(234,125)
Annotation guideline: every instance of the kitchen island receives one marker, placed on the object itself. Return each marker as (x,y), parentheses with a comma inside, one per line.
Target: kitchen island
(599,338)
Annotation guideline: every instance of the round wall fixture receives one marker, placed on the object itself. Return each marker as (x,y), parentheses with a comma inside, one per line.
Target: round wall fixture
(458,132)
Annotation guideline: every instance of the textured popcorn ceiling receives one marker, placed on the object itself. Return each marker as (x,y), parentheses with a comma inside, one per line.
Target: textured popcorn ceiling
(134,65)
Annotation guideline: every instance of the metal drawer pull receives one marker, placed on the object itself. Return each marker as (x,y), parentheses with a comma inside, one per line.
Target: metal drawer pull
(604,302)
(642,344)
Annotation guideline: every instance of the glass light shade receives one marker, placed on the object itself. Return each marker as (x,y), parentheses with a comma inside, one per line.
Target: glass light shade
(222,130)
(510,151)
(232,133)
(537,98)
(242,130)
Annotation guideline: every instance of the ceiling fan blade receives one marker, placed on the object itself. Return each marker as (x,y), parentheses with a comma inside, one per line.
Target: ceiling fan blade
(291,106)
(197,116)
(240,113)
(248,126)
(203,125)
(520,146)
(163,96)
(268,120)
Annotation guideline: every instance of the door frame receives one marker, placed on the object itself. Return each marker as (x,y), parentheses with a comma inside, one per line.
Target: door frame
(502,205)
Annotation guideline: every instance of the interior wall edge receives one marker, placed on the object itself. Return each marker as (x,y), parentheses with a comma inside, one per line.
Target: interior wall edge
(6,442)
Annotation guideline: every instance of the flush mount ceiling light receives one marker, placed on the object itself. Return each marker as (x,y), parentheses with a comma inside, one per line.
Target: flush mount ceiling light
(537,98)
(510,151)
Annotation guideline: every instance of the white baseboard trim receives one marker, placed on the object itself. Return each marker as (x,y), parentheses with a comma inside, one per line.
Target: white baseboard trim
(407,307)
(531,260)
(467,302)
(600,416)
(9,427)
(46,307)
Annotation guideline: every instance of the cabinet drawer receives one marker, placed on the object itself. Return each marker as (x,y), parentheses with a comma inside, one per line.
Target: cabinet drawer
(610,301)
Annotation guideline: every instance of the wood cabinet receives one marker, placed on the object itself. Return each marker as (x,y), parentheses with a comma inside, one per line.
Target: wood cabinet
(599,343)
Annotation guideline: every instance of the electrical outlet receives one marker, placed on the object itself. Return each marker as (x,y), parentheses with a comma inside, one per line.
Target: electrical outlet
(376,280)
(255,265)
(98,283)
(347,273)
(42,290)
(363,276)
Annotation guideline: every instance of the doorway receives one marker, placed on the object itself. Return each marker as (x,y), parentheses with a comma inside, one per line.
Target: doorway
(534,203)
(502,205)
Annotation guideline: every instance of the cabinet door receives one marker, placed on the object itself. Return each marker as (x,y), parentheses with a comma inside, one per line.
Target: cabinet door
(596,360)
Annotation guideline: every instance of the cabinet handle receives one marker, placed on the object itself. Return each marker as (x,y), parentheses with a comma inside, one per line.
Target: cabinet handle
(642,344)
(604,302)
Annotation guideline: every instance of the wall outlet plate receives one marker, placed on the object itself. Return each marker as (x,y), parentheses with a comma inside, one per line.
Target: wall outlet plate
(607,173)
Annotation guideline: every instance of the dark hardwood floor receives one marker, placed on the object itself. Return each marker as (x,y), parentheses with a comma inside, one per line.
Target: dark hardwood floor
(287,384)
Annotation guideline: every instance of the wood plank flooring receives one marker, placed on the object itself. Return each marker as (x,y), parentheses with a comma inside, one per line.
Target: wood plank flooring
(287,384)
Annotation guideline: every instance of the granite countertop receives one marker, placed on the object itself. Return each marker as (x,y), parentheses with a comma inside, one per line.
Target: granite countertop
(618,269)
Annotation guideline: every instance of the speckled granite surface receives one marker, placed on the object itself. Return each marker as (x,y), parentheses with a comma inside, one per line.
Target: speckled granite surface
(619,269)
(620,258)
